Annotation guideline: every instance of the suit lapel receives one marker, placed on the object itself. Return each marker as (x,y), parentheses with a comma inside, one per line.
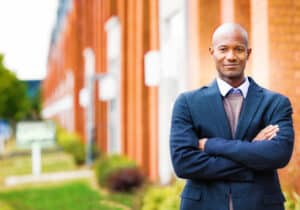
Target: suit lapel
(249,108)
(218,114)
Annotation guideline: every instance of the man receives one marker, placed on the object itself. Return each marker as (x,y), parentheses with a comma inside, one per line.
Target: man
(229,138)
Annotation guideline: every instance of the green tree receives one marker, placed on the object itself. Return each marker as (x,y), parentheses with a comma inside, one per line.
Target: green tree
(36,106)
(14,102)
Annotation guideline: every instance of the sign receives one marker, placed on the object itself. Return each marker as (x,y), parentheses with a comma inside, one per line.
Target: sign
(35,132)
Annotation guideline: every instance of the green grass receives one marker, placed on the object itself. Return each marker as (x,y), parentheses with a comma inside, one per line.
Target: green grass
(21,165)
(125,199)
(68,196)
(51,162)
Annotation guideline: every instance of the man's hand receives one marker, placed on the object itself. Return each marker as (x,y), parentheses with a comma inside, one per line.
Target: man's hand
(267,133)
(202,143)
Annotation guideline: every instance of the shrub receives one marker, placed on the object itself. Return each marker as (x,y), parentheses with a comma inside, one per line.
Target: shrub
(118,173)
(125,180)
(292,201)
(162,198)
(73,144)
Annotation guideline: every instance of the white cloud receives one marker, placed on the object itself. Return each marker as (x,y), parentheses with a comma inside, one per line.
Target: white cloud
(25,30)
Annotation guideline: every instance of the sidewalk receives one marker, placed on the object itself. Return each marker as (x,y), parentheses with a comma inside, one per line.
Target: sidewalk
(48,177)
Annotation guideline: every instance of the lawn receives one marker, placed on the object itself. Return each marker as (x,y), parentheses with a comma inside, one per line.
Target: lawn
(70,195)
(67,195)
(77,195)
(21,165)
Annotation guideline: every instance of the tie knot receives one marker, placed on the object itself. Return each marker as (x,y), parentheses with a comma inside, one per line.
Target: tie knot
(235,91)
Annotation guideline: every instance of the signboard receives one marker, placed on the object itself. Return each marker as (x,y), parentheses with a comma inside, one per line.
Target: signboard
(35,132)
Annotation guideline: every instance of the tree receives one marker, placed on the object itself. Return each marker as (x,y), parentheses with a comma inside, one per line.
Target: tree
(36,106)
(14,102)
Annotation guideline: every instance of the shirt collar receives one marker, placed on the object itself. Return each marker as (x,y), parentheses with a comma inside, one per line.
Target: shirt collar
(224,87)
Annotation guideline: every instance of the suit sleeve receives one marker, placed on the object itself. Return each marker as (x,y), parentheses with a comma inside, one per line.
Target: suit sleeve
(261,155)
(191,163)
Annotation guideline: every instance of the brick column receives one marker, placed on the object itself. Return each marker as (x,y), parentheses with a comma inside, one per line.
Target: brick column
(260,42)
(284,57)
(204,17)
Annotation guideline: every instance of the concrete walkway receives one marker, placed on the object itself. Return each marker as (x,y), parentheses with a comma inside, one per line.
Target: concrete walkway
(48,177)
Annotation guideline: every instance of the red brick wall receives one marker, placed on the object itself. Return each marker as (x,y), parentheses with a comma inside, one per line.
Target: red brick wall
(138,102)
(205,17)
(284,42)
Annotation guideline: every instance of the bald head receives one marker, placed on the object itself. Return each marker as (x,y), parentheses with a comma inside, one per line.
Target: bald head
(230,52)
(227,29)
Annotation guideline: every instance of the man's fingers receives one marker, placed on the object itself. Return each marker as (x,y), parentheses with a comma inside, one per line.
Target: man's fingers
(271,131)
(267,133)
(270,128)
(271,137)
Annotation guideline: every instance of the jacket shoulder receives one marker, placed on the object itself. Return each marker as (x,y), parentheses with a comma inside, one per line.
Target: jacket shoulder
(269,94)
(273,95)
(194,93)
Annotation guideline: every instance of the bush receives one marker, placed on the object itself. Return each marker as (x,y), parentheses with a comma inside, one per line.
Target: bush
(118,173)
(162,198)
(292,201)
(73,144)
(125,180)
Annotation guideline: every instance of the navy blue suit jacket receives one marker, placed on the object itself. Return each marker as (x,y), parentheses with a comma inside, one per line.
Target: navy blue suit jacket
(233,166)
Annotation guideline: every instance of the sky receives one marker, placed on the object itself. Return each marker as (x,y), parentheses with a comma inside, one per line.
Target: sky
(25,31)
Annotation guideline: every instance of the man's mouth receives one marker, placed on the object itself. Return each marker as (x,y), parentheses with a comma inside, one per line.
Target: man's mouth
(231,65)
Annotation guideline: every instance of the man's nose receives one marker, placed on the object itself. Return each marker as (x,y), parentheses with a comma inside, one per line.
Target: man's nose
(230,55)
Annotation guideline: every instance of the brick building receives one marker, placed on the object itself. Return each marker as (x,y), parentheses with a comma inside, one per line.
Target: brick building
(156,49)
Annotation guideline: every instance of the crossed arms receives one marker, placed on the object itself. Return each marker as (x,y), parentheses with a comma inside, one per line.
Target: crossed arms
(267,133)
(222,159)
(253,154)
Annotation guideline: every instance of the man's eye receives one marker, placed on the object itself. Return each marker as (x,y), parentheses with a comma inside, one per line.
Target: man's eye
(222,49)
(240,49)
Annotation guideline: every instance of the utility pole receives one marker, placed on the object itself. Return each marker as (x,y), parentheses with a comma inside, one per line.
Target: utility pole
(90,114)
(107,90)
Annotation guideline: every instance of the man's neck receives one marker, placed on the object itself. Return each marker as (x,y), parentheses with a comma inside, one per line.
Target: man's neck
(234,82)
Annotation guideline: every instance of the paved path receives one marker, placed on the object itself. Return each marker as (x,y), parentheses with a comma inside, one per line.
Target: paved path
(48,177)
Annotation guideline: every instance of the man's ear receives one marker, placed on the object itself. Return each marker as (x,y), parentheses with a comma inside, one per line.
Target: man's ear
(211,50)
(249,50)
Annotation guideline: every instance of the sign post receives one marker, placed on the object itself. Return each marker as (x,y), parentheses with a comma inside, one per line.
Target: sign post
(36,159)
(35,135)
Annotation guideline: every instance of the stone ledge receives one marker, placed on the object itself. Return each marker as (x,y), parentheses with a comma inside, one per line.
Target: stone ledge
(48,177)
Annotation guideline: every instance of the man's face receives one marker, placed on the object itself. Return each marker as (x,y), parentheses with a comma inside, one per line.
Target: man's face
(230,53)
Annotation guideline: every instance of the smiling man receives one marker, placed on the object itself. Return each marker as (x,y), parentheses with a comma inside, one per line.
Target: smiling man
(230,52)
(228,139)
